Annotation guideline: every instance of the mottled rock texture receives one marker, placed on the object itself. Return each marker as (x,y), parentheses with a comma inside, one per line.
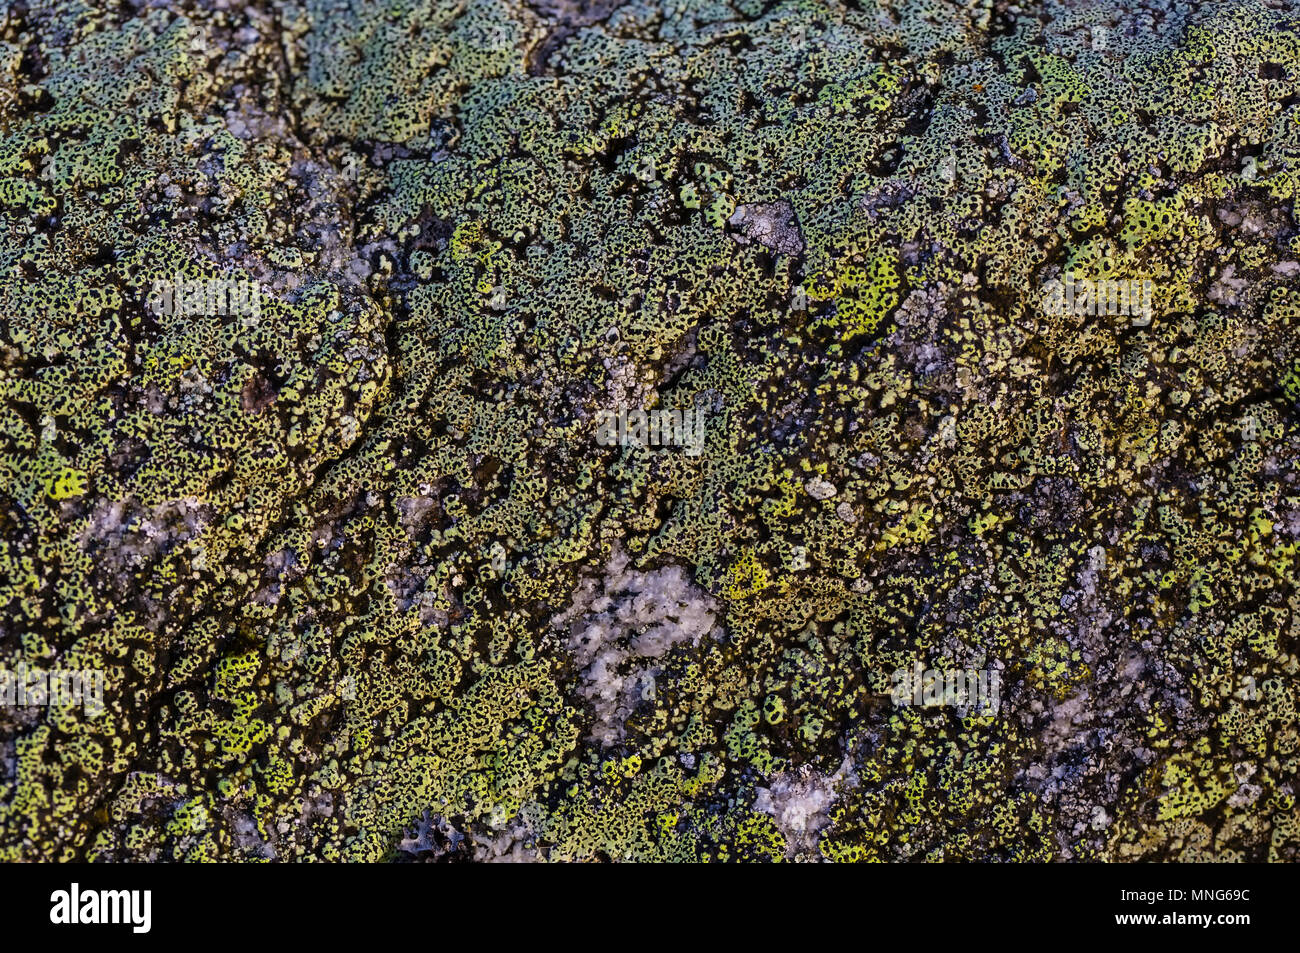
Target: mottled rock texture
(361,581)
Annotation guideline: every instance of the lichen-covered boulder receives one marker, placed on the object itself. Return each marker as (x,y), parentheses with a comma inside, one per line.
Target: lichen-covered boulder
(932,337)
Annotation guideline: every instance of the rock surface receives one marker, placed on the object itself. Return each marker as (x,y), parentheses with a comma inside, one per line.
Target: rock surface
(336,557)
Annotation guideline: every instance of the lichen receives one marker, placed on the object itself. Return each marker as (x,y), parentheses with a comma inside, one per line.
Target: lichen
(364,585)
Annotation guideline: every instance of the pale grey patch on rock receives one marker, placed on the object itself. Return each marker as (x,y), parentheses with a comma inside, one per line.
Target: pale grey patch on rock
(620,626)
(772,224)
(800,802)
